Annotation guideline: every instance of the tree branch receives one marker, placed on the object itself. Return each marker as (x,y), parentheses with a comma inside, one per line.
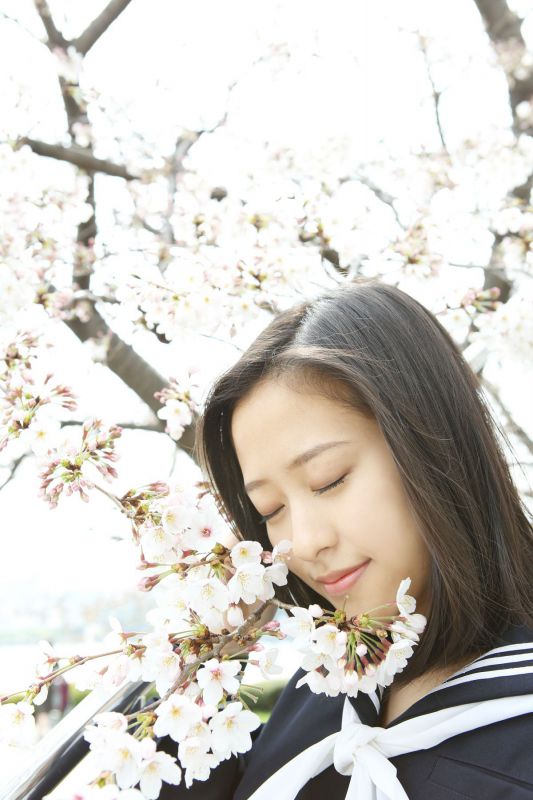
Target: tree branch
(521,90)
(55,37)
(505,29)
(13,468)
(19,24)
(81,158)
(132,369)
(380,193)
(99,25)
(434,91)
(500,22)
(129,426)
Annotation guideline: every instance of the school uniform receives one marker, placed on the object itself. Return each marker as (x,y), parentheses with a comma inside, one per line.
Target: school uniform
(470,737)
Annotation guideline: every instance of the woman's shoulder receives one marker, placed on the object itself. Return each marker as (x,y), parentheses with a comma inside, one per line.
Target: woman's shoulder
(488,762)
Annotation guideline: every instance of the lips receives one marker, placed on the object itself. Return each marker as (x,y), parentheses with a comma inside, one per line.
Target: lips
(343,580)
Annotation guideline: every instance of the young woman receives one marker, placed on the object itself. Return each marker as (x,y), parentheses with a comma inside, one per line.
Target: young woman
(353,427)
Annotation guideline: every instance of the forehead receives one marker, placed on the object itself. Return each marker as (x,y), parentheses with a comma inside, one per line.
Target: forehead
(275,422)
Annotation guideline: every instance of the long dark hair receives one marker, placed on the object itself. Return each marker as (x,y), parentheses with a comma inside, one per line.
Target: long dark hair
(394,361)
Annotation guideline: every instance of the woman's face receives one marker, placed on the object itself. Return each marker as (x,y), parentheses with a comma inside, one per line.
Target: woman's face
(362,518)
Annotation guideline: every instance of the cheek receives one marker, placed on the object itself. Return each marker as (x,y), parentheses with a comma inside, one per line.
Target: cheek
(298,569)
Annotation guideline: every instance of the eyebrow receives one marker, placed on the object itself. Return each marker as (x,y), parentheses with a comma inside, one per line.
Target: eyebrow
(303,458)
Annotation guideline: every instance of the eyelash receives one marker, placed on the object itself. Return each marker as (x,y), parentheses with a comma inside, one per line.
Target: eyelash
(317,491)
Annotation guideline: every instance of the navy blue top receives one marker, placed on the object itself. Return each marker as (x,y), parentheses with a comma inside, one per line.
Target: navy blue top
(494,762)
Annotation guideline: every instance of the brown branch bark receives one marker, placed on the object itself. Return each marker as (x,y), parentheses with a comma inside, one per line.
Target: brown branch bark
(505,27)
(81,158)
(99,25)
(501,23)
(132,369)
(54,36)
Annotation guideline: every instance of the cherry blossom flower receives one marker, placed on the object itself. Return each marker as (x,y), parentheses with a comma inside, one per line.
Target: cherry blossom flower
(216,677)
(198,762)
(276,573)
(17,724)
(319,683)
(247,552)
(406,604)
(177,415)
(47,658)
(42,434)
(115,750)
(123,755)
(156,767)
(247,583)
(206,529)
(300,626)
(112,720)
(395,660)
(176,716)
(281,550)
(163,666)
(266,661)
(207,593)
(158,543)
(231,729)
(176,517)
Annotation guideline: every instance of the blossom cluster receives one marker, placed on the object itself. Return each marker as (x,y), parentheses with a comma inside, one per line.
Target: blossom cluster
(357,654)
(38,222)
(213,289)
(179,406)
(508,332)
(28,396)
(66,471)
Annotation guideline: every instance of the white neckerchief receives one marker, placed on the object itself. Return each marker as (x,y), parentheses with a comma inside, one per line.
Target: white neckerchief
(363,751)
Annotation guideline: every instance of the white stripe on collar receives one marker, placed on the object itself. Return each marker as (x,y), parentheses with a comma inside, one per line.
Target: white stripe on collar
(487,658)
(510,659)
(480,676)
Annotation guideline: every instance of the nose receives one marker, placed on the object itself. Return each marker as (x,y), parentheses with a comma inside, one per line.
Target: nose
(311,532)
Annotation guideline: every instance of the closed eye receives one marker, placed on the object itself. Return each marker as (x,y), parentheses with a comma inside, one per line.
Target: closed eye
(317,491)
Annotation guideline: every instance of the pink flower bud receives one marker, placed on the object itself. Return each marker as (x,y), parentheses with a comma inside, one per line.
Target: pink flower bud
(148,583)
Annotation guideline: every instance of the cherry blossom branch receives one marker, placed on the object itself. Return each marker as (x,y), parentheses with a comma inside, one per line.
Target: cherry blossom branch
(214,652)
(55,37)
(77,661)
(80,157)
(13,469)
(436,94)
(99,25)
(501,23)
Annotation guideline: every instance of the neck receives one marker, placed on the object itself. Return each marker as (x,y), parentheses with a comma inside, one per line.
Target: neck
(397,699)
